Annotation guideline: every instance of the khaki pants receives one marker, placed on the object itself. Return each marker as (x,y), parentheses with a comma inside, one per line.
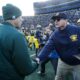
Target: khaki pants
(63,69)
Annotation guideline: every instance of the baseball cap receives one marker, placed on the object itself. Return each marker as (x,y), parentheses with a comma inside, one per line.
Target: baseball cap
(59,16)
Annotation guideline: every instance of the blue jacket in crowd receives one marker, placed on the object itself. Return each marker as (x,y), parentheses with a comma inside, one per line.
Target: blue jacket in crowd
(54,55)
(66,42)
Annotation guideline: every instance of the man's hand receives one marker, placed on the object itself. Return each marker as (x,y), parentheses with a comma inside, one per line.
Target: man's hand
(37,60)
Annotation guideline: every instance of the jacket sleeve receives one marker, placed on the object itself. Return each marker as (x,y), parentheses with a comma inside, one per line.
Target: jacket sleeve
(47,49)
(21,59)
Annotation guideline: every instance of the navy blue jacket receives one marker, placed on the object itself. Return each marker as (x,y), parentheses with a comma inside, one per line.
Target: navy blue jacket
(66,42)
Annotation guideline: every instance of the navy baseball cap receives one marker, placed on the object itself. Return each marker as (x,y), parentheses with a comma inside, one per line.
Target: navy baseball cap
(59,16)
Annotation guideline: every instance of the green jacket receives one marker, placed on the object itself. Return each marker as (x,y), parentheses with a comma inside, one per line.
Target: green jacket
(15,62)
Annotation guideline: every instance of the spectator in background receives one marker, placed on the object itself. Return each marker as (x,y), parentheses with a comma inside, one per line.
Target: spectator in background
(36,44)
(38,35)
(31,41)
(15,62)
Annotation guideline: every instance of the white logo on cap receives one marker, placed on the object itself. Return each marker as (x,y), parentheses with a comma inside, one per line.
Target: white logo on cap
(13,17)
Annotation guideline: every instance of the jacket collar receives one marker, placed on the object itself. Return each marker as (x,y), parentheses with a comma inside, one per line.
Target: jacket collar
(7,23)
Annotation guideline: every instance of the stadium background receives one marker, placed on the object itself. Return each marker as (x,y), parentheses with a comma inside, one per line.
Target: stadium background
(44,12)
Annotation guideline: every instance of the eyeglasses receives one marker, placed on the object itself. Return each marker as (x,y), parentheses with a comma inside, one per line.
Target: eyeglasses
(53,20)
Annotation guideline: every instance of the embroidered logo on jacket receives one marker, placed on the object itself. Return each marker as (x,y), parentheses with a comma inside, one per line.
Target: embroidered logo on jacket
(73,38)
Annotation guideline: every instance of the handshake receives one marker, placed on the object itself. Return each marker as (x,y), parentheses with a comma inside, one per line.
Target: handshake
(37,60)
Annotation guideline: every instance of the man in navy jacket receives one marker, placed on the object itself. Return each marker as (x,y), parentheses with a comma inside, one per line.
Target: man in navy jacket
(66,41)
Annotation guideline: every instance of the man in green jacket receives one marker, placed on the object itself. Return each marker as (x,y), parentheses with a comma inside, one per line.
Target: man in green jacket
(15,62)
